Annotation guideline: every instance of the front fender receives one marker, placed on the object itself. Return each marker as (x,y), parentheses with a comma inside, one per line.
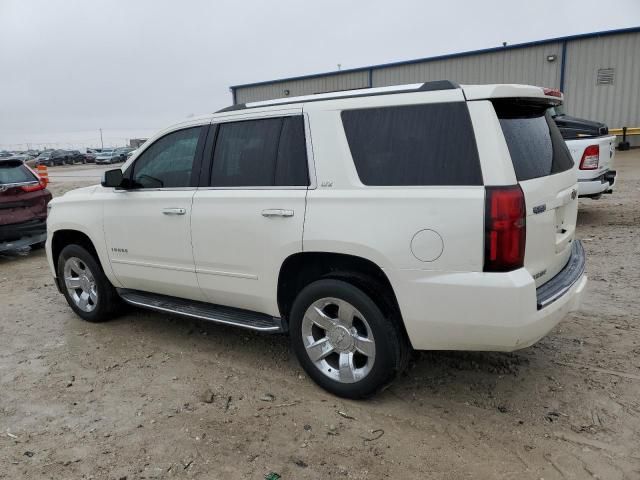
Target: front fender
(86,217)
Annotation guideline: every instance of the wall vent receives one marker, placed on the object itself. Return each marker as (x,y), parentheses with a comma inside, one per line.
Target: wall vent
(605,76)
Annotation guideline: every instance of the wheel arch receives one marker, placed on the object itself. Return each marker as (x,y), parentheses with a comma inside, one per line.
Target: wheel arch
(302,268)
(62,238)
(67,236)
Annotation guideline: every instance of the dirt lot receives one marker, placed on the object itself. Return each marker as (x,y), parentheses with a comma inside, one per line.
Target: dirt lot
(150,396)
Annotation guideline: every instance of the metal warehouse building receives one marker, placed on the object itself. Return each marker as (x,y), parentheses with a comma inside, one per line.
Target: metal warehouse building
(599,74)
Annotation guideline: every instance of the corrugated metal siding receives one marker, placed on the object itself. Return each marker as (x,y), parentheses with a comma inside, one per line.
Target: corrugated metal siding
(329,83)
(526,65)
(617,105)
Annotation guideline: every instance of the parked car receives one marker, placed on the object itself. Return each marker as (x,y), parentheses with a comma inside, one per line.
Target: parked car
(74,156)
(593,151)
(108,156)
(23,206)
(123,152)
(429,217)
(90,157)
(21,156)
(58,157)
(45,158)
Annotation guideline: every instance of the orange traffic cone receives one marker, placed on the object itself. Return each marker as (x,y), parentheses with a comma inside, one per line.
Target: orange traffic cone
(44,174)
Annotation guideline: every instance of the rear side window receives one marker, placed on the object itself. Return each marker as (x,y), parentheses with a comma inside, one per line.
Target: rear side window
(15,172)
(430,144)
(535,143)
(269,152)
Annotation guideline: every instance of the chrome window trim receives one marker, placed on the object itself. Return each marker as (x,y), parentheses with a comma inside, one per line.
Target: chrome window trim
(256,188)
(168,189)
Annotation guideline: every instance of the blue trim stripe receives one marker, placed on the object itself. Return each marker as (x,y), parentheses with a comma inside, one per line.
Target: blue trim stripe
(371,68)
(563,64)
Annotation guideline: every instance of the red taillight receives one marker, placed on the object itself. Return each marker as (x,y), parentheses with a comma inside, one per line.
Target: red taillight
(35,187)
(505,229)
(590,158)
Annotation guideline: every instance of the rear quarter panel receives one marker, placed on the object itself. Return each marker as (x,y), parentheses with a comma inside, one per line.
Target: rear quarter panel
(379,223)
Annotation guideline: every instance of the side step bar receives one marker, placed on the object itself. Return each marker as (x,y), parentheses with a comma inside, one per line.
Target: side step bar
(204,311)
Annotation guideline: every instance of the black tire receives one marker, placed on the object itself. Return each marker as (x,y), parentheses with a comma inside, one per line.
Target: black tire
(391,347)
(108,303)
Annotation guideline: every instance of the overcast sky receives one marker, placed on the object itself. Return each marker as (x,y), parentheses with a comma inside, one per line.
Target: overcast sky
(68,68)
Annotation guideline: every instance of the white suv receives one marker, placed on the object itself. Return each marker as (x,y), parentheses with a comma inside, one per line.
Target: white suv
(362,223)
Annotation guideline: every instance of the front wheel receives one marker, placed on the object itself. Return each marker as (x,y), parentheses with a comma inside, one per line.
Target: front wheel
(85,286)
(344,341)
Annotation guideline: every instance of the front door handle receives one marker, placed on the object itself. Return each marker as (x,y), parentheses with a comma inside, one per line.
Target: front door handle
(174,211)
(277,212)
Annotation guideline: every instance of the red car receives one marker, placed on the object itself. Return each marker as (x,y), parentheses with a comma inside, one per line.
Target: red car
(23,206)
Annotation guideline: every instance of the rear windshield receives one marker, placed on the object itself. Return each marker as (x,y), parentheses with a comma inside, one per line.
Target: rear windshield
(430,144)
(536,146)
(15,172)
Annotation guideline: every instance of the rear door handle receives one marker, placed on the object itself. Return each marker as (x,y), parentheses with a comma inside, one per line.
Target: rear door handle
(174,211)
(277,212)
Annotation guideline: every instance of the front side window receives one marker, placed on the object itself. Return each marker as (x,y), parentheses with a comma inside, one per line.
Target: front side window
(167,163)
(268,152)
(427,144)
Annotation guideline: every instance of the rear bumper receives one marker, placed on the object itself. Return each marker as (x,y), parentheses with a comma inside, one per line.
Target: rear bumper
(484,311)
(603,183)
(559,285)
(20,235)
(16,231)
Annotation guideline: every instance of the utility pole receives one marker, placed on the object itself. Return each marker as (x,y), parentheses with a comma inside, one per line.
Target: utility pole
(101,143)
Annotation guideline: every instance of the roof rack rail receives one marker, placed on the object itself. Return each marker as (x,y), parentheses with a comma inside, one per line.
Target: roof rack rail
(365,92)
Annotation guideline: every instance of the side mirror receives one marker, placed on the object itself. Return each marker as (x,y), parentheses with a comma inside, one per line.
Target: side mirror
(112,178)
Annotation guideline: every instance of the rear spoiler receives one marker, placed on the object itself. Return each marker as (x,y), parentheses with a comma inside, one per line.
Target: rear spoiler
(488,92)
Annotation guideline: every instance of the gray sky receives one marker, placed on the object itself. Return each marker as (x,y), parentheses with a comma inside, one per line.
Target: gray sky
(68,68)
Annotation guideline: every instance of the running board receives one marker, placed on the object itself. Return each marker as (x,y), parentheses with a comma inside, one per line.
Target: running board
(204,311)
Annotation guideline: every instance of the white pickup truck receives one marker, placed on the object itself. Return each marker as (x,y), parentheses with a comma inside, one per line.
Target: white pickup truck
(592,149)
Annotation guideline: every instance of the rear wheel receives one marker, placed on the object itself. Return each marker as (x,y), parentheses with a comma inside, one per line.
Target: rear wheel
(344,341)
(85,286)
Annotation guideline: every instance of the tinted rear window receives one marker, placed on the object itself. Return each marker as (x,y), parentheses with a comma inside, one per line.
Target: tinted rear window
(15,172)
(431,144)
(536,146)
(268,152)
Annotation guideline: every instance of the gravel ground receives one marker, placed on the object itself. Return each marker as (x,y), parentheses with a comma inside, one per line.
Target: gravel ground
(151,396)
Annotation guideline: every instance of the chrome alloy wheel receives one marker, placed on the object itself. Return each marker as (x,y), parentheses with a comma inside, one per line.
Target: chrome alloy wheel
(80,284)
(338,340)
